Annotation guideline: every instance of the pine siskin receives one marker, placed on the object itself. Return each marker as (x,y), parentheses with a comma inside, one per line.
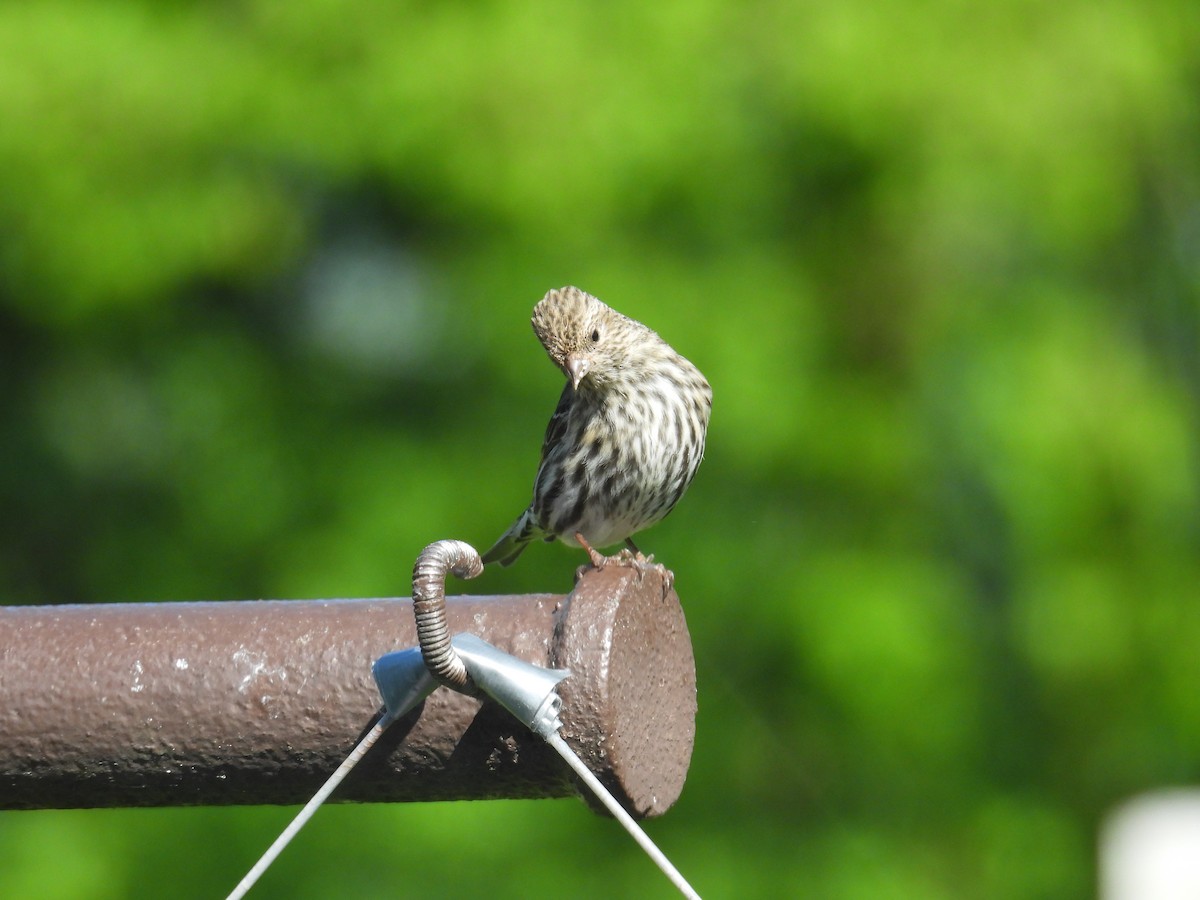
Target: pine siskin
(627,436)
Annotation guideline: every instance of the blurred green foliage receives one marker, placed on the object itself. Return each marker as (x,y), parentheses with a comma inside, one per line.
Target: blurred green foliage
(265,275)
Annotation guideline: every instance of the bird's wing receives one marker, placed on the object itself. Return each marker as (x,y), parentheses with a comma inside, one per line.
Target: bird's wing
(557,425)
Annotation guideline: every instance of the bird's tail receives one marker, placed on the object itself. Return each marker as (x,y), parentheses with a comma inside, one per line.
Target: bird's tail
(513,542)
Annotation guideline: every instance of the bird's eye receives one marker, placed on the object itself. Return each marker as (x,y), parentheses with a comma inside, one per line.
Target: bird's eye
(595,335)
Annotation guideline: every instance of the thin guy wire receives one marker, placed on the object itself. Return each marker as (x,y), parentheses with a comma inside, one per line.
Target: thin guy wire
(433,634)
(310,807)
(554,739)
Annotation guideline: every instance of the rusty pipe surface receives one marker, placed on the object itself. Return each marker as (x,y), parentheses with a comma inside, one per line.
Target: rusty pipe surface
(175,704)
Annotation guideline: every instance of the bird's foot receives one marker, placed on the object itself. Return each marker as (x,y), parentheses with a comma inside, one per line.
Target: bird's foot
(631,558)
(642,564)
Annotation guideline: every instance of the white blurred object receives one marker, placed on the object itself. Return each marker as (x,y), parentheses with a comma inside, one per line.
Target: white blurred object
(365,302)
(1150,848)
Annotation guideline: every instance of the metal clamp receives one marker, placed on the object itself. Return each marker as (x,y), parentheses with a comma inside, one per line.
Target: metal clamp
(464,663)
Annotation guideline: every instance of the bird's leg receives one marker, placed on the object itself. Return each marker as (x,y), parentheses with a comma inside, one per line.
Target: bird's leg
(639,560)
(599,560)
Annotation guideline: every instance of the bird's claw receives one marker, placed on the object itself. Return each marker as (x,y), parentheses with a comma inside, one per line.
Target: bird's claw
(638,561)
(642,564)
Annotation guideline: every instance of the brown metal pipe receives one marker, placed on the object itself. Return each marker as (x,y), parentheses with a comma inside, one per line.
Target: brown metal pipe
(176,704)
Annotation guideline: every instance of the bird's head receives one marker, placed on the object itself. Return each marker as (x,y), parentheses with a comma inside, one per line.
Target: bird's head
(588,340)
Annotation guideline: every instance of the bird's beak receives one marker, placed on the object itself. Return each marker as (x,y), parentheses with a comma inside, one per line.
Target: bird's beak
(577,367)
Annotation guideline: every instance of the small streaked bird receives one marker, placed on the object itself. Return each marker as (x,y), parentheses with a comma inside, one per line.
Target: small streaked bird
(627,436)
